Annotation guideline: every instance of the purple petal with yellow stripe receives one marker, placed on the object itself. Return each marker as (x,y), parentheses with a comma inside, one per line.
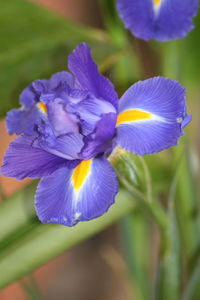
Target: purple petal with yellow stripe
(151,116)
(69,196)
(81,64)
(161,20)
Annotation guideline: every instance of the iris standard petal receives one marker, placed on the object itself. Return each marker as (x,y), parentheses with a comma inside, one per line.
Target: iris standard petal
(161,20)
(22,160)
(59,78)
(152,116)
(81,64)
(82,194)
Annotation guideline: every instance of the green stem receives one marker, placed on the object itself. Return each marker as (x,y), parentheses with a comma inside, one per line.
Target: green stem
(147,179)
(153,208)
(192,290)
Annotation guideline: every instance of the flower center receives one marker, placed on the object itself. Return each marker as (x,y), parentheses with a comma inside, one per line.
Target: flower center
(42,106)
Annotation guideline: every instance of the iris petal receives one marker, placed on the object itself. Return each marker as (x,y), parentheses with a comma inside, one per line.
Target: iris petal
(20,121)
(67,146)
(161,20)
(85,193)
(27,97)
(152,116)
(86,72)
(22,160)
(100,140)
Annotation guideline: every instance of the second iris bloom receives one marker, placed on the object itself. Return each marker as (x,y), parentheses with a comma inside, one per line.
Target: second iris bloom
(161,20)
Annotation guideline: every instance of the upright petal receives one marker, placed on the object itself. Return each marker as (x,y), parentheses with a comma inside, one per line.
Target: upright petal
(162,20)
(152,116)
(82,194)
(59,78)
(22,160)
(86,72)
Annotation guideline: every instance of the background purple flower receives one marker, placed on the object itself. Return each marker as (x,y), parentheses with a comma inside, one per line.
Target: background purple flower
(161,20)
(70,123)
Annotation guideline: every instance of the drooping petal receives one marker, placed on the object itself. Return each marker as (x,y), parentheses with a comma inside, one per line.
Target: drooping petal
(82,194)
(152,116)
(161,20)
(20,121)
(86,72)
(22,160)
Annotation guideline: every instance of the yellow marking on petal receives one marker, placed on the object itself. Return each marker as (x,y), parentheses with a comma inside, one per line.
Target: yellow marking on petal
(133,115)
(156,2)
(80,173)
(42,106)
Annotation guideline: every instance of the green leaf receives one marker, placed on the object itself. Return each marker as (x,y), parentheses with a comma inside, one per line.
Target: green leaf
(186,207)
(45,242)
(169,273)
(180,58)
(136,240)
(17,214)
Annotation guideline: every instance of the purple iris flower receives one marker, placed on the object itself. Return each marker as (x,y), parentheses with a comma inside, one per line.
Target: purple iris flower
(69,124)
(161,20)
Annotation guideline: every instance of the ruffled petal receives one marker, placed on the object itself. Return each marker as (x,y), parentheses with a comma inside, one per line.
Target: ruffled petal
(59,78)
(27,97)
(161,20)
(69,196)
(90,110)
(101,139)
(81,64)
(67,146)
(152,116)
(20,121)
(62,121)
(22,160)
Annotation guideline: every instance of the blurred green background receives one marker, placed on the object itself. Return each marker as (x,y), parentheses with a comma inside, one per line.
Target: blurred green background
(147,246)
